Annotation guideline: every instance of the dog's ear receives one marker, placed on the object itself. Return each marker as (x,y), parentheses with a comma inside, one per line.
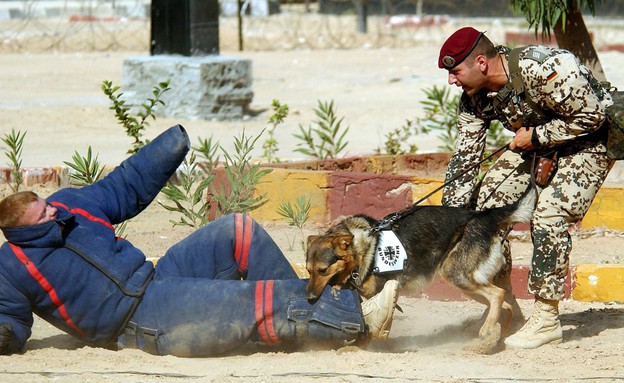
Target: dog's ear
(341,242)
(311,239)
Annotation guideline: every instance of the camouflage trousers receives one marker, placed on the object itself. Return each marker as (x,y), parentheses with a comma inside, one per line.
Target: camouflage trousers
(562,203)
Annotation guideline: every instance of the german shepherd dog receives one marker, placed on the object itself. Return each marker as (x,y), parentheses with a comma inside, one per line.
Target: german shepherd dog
(462,246)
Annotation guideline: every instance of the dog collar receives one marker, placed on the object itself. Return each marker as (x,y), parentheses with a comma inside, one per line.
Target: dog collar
(390,255)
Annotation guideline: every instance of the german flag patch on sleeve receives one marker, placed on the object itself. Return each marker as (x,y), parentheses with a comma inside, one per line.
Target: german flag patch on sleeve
(551,77)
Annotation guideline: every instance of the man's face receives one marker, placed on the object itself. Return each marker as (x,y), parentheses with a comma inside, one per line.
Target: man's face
(468,76)
(38,212)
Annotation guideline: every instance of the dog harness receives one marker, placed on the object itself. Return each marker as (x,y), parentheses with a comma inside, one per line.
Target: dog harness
(390,255)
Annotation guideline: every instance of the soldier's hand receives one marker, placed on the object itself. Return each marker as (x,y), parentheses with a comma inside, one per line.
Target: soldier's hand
(522,140)
(6,333)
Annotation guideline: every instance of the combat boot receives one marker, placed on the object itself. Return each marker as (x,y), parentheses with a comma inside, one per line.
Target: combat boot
(378,311)
(543,327)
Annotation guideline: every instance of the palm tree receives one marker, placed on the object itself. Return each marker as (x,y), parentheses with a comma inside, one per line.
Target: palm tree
(565,19)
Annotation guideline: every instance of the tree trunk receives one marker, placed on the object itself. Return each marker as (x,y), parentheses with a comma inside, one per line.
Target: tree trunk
(576,39)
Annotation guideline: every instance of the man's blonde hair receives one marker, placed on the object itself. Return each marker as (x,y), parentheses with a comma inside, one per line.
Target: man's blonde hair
(12,208)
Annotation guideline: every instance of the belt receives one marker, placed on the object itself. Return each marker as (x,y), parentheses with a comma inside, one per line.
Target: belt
(134,336)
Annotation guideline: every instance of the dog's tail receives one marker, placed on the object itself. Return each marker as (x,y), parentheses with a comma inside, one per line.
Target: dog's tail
(522,210)
(519,212)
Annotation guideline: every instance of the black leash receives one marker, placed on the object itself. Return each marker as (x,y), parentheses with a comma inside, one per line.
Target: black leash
(393,217)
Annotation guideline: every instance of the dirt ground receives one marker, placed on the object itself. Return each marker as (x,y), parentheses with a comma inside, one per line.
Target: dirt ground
(56,98)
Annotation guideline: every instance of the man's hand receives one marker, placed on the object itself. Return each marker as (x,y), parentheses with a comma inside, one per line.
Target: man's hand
(522,140)
(6,333)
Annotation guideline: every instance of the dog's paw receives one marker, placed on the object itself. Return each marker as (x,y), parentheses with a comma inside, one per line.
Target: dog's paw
(489,342)
(491,332)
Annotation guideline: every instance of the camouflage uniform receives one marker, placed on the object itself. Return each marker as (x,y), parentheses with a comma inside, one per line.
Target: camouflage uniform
(567,120)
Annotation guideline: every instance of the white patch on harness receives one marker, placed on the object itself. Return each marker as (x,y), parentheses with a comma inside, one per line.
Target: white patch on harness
(390,255)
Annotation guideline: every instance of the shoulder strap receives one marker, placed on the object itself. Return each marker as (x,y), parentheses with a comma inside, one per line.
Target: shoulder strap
(516,84)
(513,60)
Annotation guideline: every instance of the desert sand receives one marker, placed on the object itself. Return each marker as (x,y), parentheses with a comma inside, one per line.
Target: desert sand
(56,98)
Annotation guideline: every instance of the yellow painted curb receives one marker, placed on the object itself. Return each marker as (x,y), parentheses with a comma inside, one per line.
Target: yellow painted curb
(423,186)
(600,283)
(287,185)
(607,210)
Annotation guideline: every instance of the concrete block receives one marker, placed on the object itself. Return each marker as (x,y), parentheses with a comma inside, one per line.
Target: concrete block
(206,87)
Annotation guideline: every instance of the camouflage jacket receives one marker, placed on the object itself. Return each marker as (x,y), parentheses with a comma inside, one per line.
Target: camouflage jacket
(567,116)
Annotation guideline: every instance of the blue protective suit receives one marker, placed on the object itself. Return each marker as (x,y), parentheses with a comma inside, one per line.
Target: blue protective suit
(224,285)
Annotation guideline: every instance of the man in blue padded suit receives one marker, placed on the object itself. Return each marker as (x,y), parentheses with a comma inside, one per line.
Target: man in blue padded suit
(223,286)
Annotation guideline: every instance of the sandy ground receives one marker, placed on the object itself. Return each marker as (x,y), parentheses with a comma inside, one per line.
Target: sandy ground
(56,98)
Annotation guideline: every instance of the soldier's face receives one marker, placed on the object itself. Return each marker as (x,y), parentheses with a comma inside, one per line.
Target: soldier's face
(467,76)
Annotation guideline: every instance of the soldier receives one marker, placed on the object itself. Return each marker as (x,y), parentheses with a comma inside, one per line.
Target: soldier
(554,113)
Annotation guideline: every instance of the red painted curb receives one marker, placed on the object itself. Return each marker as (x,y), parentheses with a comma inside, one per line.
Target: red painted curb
(362,193)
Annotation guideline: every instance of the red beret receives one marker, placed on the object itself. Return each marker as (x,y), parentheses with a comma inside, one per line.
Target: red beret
(457,47)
